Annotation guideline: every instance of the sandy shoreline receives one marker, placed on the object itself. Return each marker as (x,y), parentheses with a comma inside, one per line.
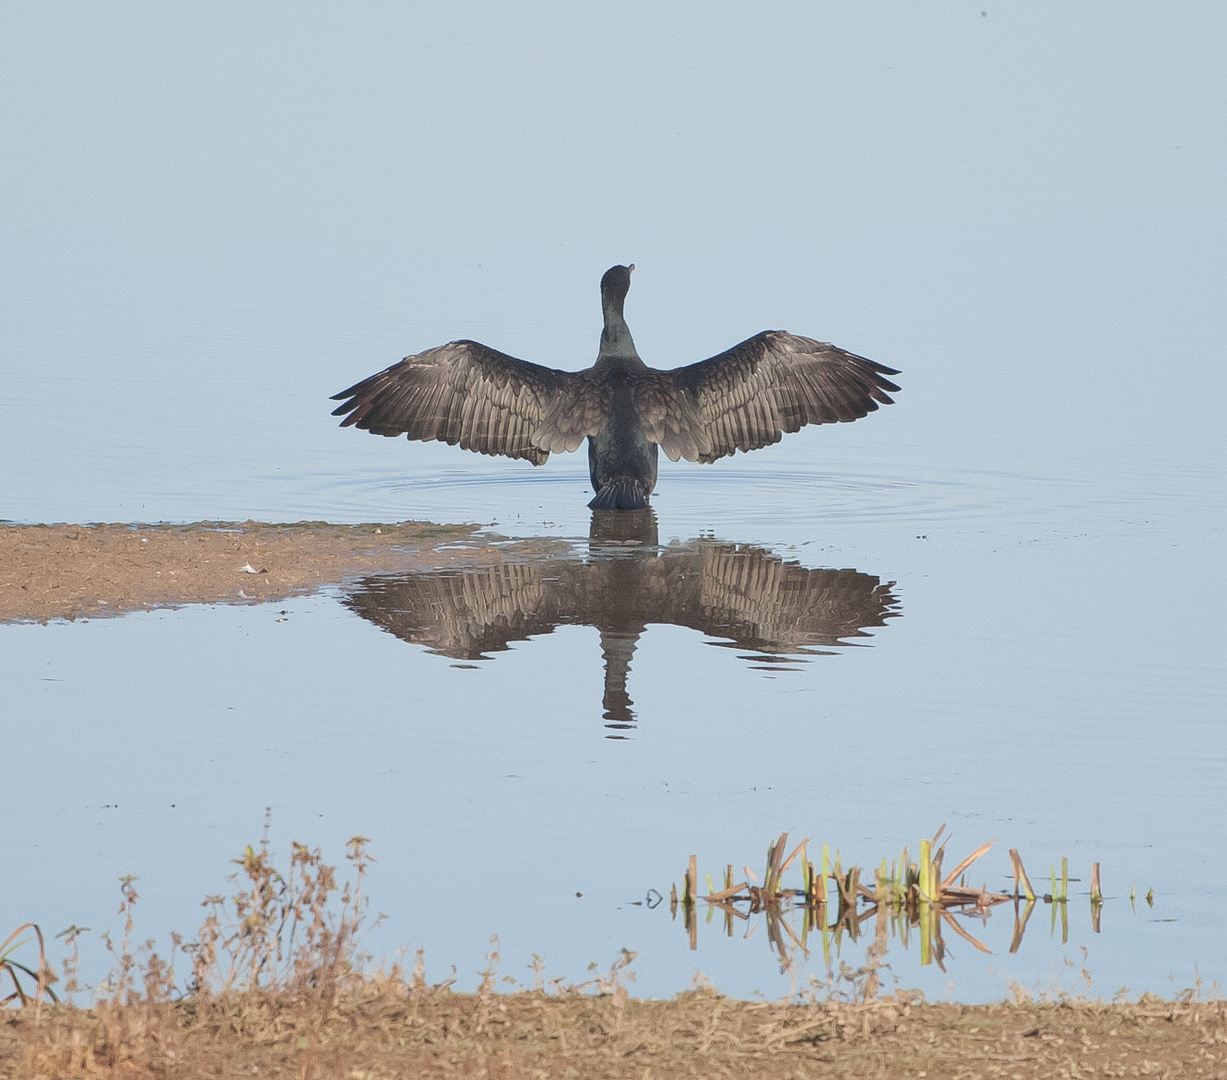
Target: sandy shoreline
(74,571)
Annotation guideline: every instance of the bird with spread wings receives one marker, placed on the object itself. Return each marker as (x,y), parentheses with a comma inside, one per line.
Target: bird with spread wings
(469,395)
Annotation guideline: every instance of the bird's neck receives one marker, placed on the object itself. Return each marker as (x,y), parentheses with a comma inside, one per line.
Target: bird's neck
(616,338)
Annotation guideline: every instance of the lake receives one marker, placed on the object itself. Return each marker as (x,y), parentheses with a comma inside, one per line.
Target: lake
(995,604)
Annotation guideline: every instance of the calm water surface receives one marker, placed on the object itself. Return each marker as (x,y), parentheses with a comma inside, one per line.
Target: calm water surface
(996,604)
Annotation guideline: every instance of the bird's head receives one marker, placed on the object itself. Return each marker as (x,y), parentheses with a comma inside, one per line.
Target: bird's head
(616,283)
(616,337)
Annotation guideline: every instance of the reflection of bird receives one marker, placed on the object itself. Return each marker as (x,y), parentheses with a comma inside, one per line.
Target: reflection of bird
(745,595)
(745,398)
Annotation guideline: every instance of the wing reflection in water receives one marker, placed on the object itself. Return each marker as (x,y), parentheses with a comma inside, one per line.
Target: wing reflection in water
(621,582)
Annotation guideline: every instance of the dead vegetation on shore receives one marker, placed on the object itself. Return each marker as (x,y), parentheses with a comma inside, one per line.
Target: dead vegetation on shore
(389,1028)
(276,984)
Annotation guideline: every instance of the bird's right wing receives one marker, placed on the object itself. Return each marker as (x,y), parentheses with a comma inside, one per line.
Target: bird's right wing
(469,394)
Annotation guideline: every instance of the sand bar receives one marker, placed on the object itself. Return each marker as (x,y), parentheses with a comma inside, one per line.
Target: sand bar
(74,571)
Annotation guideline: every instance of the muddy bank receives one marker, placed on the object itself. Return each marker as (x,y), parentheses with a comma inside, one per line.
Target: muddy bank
(70,571)
(389,1030)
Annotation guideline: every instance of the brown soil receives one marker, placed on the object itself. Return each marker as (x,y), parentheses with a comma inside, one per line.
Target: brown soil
(69,571)
(391,1032)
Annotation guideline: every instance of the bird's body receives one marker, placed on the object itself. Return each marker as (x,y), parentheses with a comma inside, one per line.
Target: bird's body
(621,459)
(468,394)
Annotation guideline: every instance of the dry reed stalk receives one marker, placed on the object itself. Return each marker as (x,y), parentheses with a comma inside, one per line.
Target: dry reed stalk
(71,937)
(925,882)
(849,888)
(918,894)
(776,865)
(796,851)
(42,978)
(1021,875)
(961,895)
(121,980)
(725,894)
(1096,898)
(981,850)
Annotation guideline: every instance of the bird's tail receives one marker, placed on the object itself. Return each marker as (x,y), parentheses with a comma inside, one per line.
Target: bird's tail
(620,493)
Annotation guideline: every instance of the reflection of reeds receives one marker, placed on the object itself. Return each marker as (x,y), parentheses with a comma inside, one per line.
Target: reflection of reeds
(905,896)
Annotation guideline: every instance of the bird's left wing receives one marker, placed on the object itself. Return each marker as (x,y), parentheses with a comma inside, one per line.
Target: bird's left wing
(769,385)
(468,394)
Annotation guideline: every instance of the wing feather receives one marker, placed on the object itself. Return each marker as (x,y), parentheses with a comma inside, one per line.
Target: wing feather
(467,394)
(752,395)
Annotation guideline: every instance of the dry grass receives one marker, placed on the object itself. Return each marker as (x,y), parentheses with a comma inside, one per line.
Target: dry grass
(30,986)
(275,986)
(391,1028)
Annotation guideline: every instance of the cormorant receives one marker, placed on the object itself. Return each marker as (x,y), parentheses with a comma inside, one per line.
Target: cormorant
(469,394)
